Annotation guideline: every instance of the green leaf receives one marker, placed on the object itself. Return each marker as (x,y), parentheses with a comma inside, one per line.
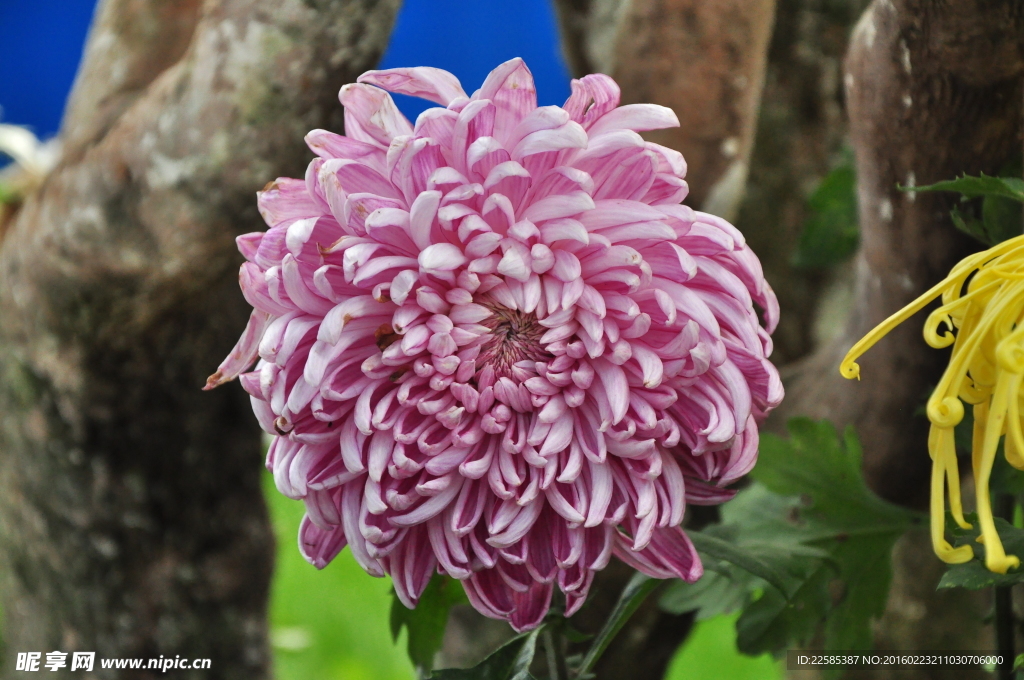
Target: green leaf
(1002,218)
(510,662)
(633,595)
(811,519)
(710,596)
(1000,207)
(426,623)
(841,515)
(573,635)
(971,226)
(709,544)
(756,524)
(773,622)
(983,185)
(973,575)
(815,465)
(831,233)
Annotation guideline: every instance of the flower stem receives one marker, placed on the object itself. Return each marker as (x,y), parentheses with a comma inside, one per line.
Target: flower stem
(636,591)
(1003,595)
(554,646)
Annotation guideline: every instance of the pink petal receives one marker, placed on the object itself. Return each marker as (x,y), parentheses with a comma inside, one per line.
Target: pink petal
(554,207)
(569,136)
(441,257)
(244,353)
(531,607)
(592,97)
(432,84)
(318,546)
(371,116)
(510,86)
(637,117)
(328,145)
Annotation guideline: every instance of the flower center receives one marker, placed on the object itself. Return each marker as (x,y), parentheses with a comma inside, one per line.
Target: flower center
(515,336)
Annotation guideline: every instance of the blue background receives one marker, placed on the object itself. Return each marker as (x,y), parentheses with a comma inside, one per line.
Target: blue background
(41,43)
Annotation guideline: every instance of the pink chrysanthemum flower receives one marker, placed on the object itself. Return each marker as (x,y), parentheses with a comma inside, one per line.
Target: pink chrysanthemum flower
(494,345)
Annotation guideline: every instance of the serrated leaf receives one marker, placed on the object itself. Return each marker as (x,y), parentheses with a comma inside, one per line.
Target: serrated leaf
(1000,207)
(712,595)
(708,544)
(843,516)
(815,465)
(426,623)
(983,185)
(831,233)
(810,517)
(773,622)
(973,575)
(1001,217)
(510,662)
(971,226)
(756,523)
(1001,220)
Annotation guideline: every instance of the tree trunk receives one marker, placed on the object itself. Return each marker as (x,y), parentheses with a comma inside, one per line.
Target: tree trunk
(801,134)
(959,69)
(705,61)
(934,90)
(131,520)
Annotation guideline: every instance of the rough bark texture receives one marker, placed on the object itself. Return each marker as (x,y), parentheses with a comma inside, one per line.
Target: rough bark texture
(933,90)
(708,61)
(131,521)
(705,61)
(917,616)
(801,132)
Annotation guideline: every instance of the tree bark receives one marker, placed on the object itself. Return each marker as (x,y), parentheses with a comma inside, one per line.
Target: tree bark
(705,61)
(801,135)
(959,69)
(131,520)
(934,90)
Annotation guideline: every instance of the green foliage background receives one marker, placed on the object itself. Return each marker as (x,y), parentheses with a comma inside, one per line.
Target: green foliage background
(334,624)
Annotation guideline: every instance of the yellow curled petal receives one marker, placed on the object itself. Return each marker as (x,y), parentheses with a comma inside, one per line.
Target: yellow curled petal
(849,367)
(945,411)
(982,318)
(937,514)
(978,437)
(996,559)
(945,449)
(1010,352)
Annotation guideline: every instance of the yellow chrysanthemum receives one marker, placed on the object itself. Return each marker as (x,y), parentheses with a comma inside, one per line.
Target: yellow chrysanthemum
(983,301)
